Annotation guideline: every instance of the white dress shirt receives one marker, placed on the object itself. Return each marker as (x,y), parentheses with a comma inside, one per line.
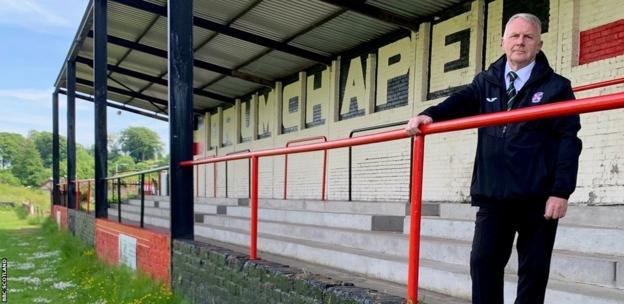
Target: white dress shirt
(523,75)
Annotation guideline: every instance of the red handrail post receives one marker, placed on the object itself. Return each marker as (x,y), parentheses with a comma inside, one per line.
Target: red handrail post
(88,197)
(285,174)
(324,174)
(77,207)
(214,179)
(324,138)
(415,212)
(253,238)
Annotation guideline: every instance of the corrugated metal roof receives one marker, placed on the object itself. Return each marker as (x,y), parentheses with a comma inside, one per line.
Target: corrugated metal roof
(344,33)
(310,25)
(232,86)
(221,11)
(280,19)
(277,65)
(228,52)
(410,8)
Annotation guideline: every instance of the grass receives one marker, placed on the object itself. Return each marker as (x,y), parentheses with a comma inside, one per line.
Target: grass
(20,194)
(51,266)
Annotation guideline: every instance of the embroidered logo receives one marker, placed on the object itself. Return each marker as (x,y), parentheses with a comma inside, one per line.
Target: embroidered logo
(537,97)
(493,99)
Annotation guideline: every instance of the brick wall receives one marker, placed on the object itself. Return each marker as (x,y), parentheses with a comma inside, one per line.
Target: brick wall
(204,273)
(82,225)
(152,251)
(59,214)
(438,58)
(602,42)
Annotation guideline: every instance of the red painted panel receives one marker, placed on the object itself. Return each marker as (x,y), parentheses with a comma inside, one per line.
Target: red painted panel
(602,42)
(153,251)
(63,212)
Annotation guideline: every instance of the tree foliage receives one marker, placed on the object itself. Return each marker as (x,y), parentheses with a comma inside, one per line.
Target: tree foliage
(140,143)
(27,165)
(43,143)
(10,144)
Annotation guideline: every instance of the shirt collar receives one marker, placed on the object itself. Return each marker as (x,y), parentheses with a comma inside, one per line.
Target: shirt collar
(523,73)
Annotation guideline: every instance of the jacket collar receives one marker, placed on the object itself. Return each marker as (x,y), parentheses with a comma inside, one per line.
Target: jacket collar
(494,73)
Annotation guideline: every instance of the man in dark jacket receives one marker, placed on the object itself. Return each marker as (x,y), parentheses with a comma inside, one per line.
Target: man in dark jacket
(524,172)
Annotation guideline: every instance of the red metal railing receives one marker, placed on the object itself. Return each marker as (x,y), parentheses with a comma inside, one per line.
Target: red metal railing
(598,85)
(296,141)
(586,105)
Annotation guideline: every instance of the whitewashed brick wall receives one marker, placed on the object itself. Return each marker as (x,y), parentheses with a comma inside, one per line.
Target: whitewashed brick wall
(381,171)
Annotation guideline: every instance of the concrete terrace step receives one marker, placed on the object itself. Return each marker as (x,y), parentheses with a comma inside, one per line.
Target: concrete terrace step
(566,266)
(583,239)
(136,217)
(372,208)
(339,220)
(595,216)
(449,279)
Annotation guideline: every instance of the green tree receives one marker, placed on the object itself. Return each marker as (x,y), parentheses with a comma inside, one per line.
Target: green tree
(10,144)
(6,177)
(27,166)
(122,163)
(85,164)
(140,143)
(43,143)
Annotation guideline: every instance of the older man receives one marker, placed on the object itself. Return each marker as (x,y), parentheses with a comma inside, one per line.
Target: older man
(523,172)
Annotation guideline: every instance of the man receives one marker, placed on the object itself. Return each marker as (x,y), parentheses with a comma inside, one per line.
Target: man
(523,172)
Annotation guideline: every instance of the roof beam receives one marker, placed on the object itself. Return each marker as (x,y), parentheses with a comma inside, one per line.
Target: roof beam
(136,95)
(236,33)
(359,6)
(154,79)
(197,63)
(118,106)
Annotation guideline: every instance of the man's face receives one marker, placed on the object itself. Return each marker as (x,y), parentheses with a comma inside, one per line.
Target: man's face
(521,43)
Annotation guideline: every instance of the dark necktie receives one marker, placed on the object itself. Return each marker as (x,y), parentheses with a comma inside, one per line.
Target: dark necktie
(511,90)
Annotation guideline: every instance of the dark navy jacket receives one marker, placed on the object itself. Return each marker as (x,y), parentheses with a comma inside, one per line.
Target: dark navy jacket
(518,161)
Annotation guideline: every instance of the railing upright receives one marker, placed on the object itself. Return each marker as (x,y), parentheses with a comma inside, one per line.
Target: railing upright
(142,183)
(418,149)
(88,197)
(77,194)
(324,176)
(253,253)
(119,200)
(393,124)
(248,170)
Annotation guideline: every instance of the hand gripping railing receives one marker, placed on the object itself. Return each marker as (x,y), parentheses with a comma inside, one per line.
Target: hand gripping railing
(388,125)
(324,163)
(591,104)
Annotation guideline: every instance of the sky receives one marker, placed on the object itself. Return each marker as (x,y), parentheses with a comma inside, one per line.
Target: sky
(36,37)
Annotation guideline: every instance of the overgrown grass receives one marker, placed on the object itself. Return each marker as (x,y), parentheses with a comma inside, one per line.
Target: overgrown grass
(20,194)
(51,266)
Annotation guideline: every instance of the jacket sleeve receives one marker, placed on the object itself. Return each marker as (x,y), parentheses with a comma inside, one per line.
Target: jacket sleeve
(460,104)
(566,129)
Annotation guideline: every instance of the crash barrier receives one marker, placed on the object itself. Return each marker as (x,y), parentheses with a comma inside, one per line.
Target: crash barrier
(585,105)
(146,182)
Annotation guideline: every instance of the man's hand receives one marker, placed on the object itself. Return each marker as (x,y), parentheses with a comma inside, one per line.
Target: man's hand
(413,125)
(556,208)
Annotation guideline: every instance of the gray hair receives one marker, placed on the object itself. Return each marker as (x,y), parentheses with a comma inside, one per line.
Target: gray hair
(528,17)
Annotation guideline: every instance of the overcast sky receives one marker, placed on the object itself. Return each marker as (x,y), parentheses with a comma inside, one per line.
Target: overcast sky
(36,36)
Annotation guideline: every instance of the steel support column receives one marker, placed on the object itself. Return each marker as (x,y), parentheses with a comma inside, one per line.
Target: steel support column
(180,40)
(56,194)
(71,134)
(99,99)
